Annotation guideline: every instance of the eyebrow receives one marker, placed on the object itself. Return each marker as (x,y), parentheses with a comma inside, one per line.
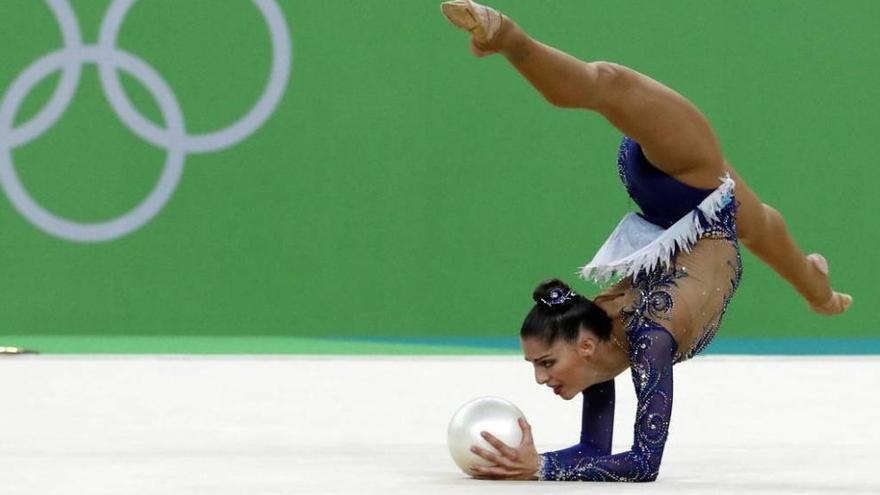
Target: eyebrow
(538,359)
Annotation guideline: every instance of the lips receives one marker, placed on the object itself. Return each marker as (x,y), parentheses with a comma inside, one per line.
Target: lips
(557,389)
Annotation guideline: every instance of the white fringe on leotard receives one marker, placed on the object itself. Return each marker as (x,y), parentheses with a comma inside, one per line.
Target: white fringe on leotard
(637,244)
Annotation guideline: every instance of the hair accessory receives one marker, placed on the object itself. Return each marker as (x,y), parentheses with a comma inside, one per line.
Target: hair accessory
(558,296)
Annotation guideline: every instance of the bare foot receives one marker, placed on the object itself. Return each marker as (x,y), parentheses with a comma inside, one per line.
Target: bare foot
(482,22)
(838,302)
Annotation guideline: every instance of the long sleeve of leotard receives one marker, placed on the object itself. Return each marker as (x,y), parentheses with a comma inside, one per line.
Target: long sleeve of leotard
(597,423)
(651,357)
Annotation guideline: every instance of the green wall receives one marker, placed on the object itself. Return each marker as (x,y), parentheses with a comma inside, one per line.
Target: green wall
(404,189)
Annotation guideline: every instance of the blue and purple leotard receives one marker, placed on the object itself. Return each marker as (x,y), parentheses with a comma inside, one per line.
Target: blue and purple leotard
(679,265)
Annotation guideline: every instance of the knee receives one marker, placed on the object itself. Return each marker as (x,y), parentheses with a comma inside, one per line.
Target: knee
(608,79)
(606,73)
(594,86)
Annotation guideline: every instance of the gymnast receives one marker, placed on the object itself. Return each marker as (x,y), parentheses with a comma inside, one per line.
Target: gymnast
(677,262)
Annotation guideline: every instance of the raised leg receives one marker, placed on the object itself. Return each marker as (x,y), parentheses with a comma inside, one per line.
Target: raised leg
(762,229)
(672,132)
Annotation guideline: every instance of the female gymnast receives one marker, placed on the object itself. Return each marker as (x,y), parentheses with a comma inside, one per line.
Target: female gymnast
(678,260)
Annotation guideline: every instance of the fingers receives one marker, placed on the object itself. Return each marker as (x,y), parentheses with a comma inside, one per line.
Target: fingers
(527,432)
(492,472)
(492,457)
(502,447)
(509,463)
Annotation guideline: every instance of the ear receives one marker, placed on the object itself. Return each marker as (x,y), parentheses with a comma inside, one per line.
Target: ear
(586,345)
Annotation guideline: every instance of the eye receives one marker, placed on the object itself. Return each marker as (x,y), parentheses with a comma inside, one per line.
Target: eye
(547,364)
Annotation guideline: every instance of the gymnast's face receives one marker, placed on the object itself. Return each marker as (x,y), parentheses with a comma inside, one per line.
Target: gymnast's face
(563,366)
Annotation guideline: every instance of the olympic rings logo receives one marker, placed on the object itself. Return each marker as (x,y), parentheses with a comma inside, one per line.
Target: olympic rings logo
(174,139)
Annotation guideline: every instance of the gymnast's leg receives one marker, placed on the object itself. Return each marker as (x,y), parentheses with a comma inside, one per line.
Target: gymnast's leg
(762,230)
(673,133)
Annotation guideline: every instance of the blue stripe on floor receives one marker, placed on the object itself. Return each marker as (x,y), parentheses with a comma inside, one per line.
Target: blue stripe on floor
(802,346)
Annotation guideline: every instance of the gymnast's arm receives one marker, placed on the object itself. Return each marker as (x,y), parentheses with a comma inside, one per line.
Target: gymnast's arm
(597,423)
(651,353)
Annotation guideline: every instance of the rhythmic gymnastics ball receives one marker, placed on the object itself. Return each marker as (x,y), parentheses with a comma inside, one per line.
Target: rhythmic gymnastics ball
(495,415)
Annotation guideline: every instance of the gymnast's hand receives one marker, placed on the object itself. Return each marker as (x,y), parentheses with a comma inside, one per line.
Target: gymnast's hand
(521,463)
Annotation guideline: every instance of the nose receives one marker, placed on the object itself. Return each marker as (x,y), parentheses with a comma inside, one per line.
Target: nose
(541,376)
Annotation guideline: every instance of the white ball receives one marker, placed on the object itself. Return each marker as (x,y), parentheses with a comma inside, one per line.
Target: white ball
(495,415)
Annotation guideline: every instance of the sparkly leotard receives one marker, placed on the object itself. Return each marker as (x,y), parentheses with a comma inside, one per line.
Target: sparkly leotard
(674,303)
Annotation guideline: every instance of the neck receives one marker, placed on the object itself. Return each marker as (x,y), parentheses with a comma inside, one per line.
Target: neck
(612,357)
(609,361)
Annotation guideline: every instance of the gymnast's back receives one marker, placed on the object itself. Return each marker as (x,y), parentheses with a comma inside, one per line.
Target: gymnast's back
(688,296)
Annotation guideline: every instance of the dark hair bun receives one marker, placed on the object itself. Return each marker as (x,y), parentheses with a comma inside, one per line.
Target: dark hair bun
(552,292)
(559,313)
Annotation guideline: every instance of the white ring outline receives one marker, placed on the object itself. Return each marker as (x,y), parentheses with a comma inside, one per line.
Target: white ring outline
(211,141)
(109,59)
(149,207)
(64,91)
